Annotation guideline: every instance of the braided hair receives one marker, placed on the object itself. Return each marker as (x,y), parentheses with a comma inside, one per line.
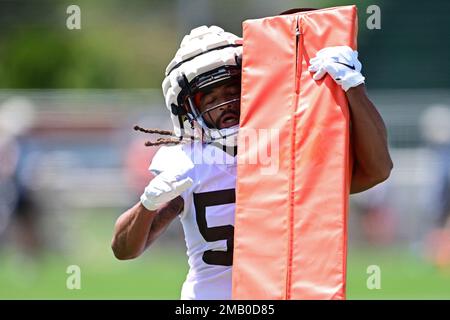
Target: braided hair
(173,140)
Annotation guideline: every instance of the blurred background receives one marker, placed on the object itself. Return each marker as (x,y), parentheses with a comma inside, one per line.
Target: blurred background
(70,162)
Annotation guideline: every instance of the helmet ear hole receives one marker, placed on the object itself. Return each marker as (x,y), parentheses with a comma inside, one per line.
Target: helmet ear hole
(177,110)
(238,60)
(182,82)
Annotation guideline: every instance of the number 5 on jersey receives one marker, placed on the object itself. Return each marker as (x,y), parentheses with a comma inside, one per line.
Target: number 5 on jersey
(208,199)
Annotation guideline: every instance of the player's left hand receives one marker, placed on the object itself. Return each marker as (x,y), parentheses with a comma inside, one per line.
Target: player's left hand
(163,188)
(341,63)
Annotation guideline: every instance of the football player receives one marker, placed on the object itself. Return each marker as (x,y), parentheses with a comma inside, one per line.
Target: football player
(202,92)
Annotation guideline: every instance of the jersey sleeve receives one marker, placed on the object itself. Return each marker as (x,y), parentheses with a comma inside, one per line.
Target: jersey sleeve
(177,160)
(169,158)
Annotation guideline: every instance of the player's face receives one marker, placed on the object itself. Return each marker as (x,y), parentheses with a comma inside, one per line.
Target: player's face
(224,116)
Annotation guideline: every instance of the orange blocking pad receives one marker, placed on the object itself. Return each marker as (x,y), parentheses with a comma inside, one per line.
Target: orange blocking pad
(290,226)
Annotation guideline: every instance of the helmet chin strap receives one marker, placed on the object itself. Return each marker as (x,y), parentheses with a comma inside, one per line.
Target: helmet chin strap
(226,137)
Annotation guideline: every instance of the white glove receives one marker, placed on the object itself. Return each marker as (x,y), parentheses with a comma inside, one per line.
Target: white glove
(163,188)
(341,63)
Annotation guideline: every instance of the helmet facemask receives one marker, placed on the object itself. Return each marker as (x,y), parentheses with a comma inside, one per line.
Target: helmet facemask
(210,126)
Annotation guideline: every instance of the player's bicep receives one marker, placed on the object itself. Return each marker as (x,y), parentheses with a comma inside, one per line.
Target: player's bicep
(166,214)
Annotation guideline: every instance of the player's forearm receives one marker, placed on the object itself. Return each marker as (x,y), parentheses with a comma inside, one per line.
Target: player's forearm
(373,163)
(165,216)
(131,232)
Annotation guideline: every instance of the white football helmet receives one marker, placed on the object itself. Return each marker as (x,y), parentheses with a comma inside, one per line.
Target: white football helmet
(207,57)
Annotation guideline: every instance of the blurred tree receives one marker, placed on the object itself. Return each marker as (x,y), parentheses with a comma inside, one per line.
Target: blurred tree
(119,46)
(32,60)
(128,44)
(411,50)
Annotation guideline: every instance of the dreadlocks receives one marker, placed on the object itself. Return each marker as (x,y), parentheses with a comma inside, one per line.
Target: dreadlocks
(162,141)
(157,131)
(159,141)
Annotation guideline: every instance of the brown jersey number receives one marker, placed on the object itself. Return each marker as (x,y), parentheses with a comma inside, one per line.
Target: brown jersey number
(210,234)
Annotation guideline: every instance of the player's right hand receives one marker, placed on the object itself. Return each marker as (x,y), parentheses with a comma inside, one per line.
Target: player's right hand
(163,188)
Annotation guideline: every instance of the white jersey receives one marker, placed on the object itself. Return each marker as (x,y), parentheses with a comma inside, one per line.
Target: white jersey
(208,215)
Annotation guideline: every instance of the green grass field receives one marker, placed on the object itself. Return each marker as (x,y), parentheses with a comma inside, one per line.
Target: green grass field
(160,272)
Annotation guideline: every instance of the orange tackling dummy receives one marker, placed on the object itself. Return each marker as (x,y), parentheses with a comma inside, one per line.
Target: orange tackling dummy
(290,226)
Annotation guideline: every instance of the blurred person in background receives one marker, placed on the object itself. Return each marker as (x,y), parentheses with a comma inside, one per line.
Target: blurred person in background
(9,157)
(19,212)
(435,125)
(376,214)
